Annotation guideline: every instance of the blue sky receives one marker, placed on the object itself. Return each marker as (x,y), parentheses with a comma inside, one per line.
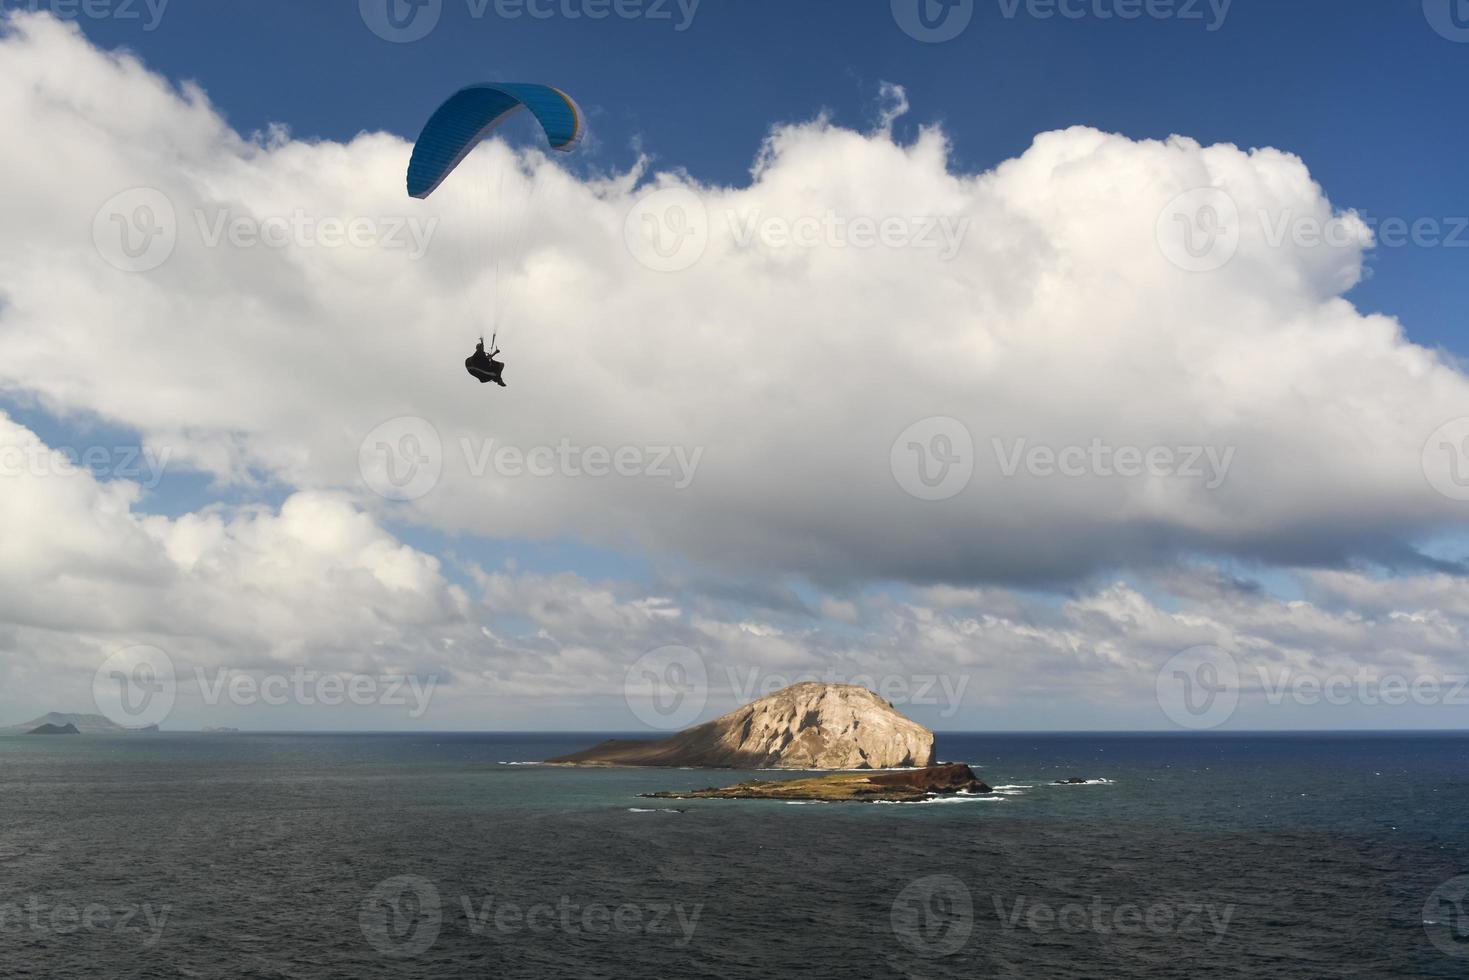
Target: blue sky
(1358,89)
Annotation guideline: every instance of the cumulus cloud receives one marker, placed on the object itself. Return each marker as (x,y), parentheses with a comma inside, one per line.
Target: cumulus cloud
(83,573)
(319,585)
(1057,324)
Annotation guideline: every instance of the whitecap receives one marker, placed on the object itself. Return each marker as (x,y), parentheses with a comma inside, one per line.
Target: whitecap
(956,798)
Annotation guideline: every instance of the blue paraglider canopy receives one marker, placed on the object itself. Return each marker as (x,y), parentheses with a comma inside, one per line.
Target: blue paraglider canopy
(472,113)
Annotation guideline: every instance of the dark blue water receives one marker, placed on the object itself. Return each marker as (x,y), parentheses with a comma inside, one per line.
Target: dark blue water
(429,856)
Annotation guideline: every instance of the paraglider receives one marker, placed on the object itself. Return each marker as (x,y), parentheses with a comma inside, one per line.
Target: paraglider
(448,139)
(483,366)
(472,114)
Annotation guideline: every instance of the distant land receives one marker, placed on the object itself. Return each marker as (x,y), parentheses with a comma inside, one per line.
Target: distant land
(84,725)
(48,729)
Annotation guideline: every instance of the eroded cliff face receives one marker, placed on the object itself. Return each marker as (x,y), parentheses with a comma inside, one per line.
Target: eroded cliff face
(826,726)
(805,726)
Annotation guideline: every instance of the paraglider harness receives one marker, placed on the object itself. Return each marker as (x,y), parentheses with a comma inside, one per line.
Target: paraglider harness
(483,366)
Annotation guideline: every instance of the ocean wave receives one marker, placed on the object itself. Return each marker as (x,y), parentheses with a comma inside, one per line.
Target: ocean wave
(956,798)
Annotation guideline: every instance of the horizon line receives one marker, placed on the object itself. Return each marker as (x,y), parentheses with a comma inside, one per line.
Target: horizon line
(655,735)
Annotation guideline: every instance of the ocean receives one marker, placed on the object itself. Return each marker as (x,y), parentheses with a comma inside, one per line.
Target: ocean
(444,856)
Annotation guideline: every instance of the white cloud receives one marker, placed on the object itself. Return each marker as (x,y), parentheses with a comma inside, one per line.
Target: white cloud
(1059,322)
(246,586)
(318,584)
(892,106)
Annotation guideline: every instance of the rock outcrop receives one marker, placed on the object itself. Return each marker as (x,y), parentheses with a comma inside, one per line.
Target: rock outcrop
(804,726)
(911,786)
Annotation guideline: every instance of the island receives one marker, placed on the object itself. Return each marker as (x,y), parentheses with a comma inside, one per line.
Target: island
(843,731)
(49,729)
(910,786)
(809,726)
